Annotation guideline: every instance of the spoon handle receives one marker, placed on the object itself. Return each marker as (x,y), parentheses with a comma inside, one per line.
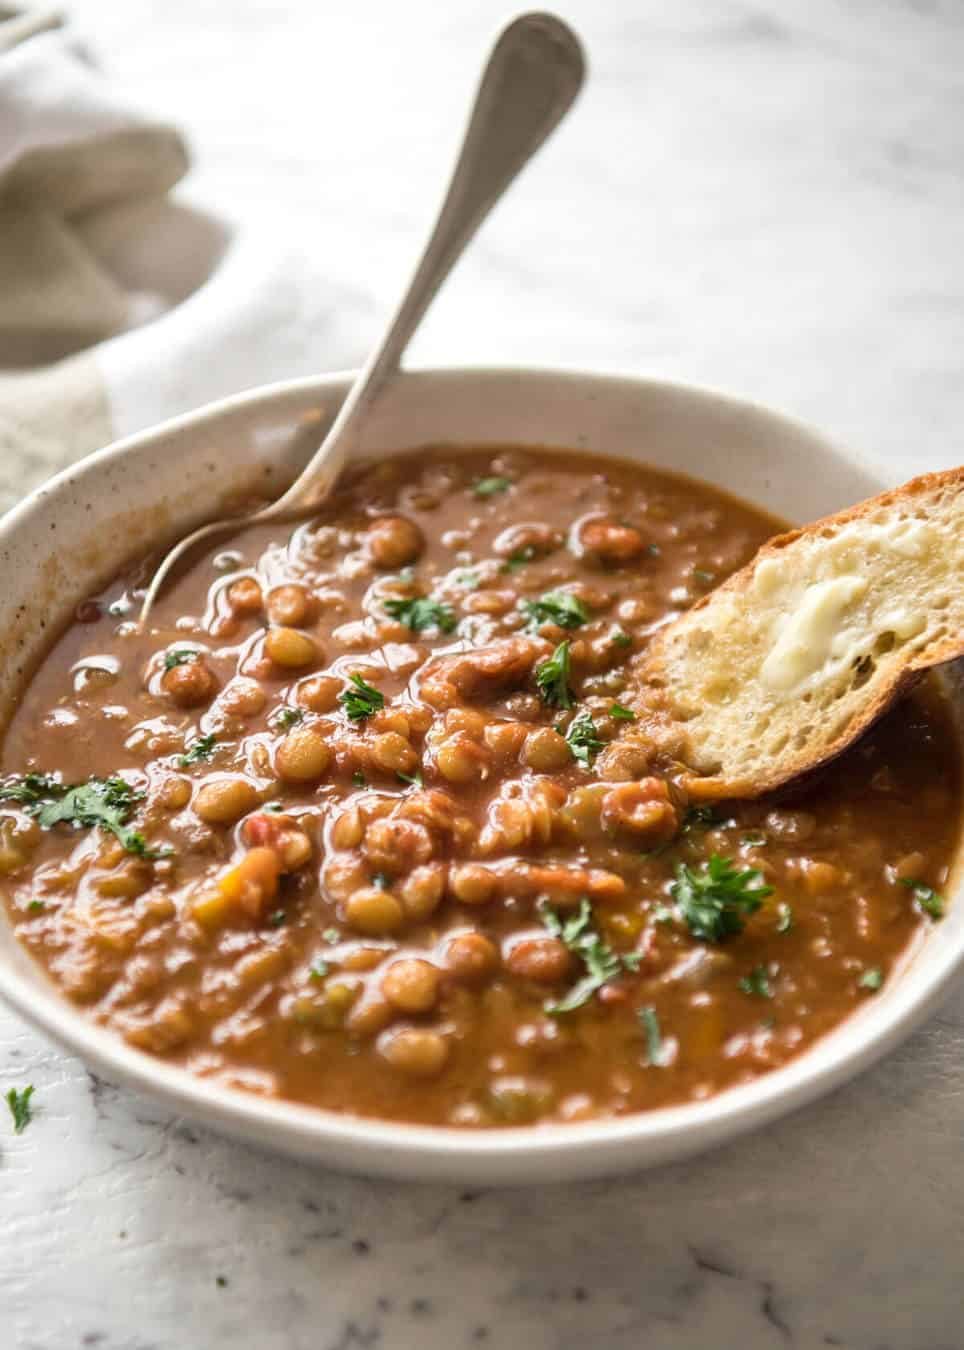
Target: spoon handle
(530,81)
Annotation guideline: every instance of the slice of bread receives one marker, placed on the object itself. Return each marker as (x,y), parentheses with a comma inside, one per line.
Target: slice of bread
(783,666)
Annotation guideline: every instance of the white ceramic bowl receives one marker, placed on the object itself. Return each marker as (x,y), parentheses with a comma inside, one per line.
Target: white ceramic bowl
(85,524)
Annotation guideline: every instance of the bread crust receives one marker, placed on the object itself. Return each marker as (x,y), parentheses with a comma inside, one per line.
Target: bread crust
(654,675)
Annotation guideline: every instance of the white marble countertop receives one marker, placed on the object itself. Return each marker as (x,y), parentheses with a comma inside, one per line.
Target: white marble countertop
(765,197)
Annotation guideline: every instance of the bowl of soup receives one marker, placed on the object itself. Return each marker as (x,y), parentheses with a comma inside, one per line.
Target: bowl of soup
(345,852)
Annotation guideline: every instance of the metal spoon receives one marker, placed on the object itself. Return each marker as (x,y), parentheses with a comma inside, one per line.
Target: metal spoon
(530,81)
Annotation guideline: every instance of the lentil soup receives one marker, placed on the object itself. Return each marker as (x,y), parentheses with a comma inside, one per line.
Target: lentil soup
(367,818)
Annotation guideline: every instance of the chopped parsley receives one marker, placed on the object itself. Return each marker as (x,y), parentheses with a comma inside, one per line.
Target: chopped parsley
(620,639)
(469,581)
(582,739)
(871,979)
(19,1103)
(552,677)
(714,902)
(757,982)
(755,840)
(654,550)
(704,577)
(36,907)
(784,918)
(331,935)
(414,779)
(277,918)
(358,779)
(519,559)
(201,749)
(582,939)
(491,487)
(421,613)
(180,656)
(656,1055)
(287,717)
(927,898)
(558,607)
(699,818)
(621,713)
(361,700)
(107,802)
(318,969)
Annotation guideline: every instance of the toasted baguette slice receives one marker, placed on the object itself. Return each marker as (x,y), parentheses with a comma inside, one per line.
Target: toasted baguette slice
(783,666)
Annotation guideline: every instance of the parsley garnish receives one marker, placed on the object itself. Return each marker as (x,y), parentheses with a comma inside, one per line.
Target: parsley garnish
(421,613)
(362,700)
(927,899)
(469,581)
(558,607)
(701,575)
(36,907)
(287,717)
(180,656)
(582,739)
(318,969)
(415,779)
(107,802)
(622,714)
(699,818)
(552,677)
(757,982)
(655,1049)
(784,918)
(872,979)
(715,902)
(601,962)
(519,558)
(331,935)
(359,779)
(19,1103)
(201,749)
(277,918)
(620,639)
(490,487)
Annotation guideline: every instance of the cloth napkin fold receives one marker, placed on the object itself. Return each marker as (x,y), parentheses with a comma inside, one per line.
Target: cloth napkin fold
(120,303)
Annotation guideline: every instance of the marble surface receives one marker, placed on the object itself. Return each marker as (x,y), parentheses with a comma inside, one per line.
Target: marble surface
(765,197)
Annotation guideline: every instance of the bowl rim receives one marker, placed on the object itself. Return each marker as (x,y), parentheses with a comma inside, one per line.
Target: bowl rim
(656,1135)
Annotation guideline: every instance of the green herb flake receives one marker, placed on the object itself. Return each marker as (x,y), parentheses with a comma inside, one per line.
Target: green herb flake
(221,1281)
(618,638)
(318,969)
(872,979)
(358,779)
(36,907)
(663,914)
(784,917)
(382,880)
(180,656)
(287,717)
(582,739)
(755,840)
(621,713)
(491,487)
(420,613)
(602,964)
(198,751)
(704,577)
(413,779)
(558,607)
(469,581)
(699,818)
(277,918)
(757,983)
(361,700)
(656,1055)
(20,1109)
(552,678)
(654,550)
(107,802)
(518,559)
(715,901)
(331,935)
(926,897)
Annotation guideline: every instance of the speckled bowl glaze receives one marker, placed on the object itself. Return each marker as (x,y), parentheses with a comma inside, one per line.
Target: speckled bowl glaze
(85,524)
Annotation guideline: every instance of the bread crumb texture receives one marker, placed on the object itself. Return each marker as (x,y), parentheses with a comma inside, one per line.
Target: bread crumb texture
(782,667)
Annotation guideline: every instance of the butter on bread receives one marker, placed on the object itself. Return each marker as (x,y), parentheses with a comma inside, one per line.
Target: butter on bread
(783,666)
